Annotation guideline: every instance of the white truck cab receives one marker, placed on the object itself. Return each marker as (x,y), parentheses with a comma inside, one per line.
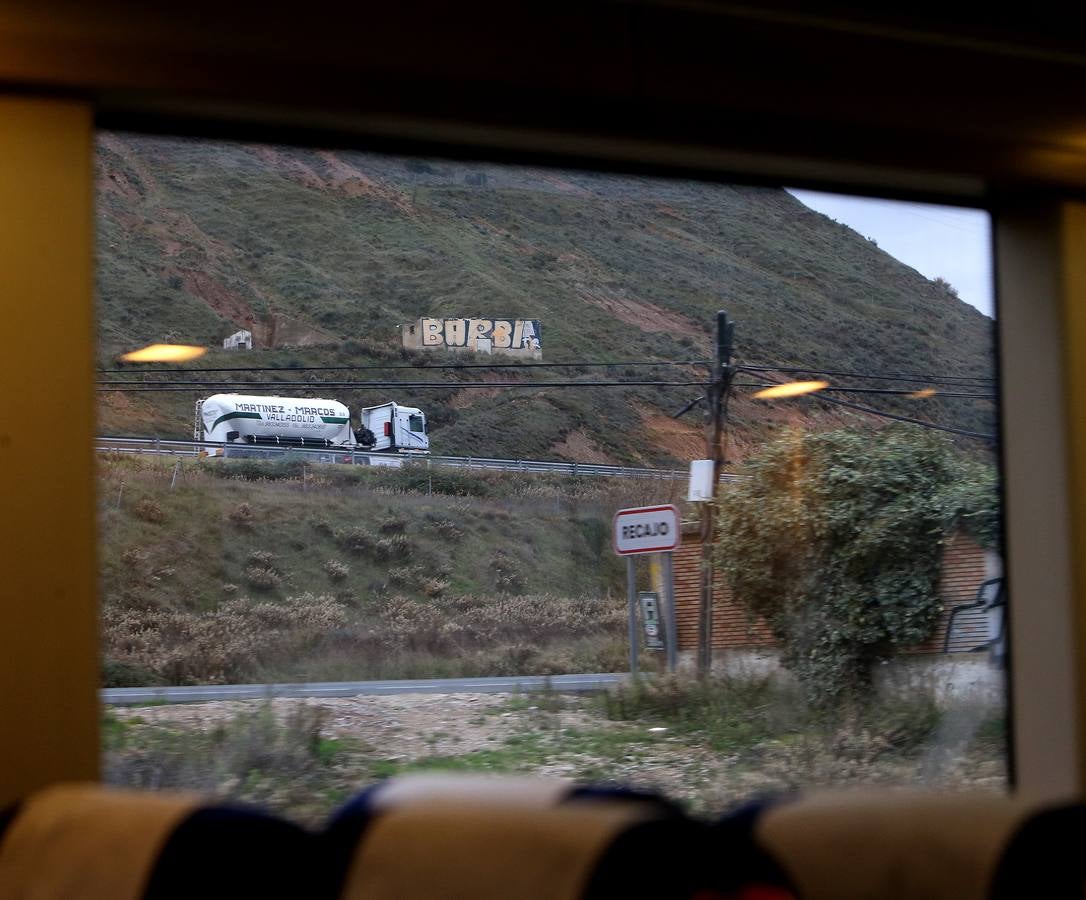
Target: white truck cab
(394,428)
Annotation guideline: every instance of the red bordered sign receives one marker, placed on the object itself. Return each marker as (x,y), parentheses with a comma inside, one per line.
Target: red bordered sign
(646,529)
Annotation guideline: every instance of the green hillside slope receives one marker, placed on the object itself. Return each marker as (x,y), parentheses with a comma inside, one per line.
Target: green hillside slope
(323,254)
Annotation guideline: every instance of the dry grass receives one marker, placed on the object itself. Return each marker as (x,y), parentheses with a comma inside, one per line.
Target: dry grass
(243,639)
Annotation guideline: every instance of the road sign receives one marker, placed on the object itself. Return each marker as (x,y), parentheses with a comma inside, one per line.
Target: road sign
(650,619)
(646,529)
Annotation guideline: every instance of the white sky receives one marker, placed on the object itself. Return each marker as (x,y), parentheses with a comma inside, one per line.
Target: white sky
(937,241)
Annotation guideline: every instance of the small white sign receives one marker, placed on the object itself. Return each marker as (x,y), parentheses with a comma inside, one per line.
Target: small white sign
(646,529)
(701,480)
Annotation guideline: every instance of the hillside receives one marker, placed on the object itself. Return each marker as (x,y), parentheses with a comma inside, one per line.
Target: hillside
(274,572)
(323,254)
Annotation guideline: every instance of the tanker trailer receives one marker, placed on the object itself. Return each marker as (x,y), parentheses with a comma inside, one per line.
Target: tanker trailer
(274,421)
(308,422)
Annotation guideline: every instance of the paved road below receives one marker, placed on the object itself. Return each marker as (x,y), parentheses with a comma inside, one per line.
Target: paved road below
(198,693)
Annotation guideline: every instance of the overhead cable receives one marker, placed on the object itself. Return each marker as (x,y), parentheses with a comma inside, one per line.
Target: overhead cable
(886,415)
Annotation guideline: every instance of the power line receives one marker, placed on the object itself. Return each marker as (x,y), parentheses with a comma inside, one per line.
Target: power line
(148,386)
(130,385)
(131,370)
(925,379)
(895,416)
(898,392)
(136,386)
(886,415)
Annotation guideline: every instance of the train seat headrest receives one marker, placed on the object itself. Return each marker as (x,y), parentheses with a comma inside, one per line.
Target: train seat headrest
(848,845)
(82,840)
(477,837)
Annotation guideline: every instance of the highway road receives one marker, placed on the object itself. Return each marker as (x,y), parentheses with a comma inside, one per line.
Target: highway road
(156,446)
(502,685)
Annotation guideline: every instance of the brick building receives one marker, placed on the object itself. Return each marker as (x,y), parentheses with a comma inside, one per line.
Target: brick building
(965,566)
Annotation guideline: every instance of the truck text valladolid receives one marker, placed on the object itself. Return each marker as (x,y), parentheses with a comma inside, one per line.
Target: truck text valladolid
(309,422)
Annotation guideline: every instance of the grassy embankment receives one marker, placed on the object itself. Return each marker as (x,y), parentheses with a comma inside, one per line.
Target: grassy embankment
(242,571)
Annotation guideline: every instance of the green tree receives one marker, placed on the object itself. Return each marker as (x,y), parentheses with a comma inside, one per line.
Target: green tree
(835,539)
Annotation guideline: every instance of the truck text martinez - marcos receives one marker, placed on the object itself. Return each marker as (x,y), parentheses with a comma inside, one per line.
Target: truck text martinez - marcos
(308,422)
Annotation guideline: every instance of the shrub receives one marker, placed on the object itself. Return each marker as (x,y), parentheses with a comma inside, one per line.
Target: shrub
(257,470)
(447,529)
(119,674)
(835,540)
(262,579)
(336,570)
(436,480)
(393,524)
(148,510)
(509,581)
(395,546)
(242,515)
(507,576)
(264,558)
(255,756)
(133,556)
(225,644)
(405,575)
(357,540)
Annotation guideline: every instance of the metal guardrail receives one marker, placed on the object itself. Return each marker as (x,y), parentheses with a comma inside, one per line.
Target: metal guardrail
(494,685)
(194,448)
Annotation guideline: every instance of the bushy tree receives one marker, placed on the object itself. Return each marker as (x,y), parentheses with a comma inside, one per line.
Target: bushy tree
(835,539)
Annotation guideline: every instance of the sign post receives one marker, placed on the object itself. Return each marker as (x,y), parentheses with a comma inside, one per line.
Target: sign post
(631,611)
(648,529)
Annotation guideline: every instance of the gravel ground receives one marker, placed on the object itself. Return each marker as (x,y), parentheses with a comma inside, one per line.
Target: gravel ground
(554,735)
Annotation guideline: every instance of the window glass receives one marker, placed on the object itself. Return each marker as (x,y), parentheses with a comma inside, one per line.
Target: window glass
(817,464)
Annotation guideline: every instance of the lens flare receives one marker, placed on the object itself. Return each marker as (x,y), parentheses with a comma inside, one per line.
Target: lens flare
(164,353)
(790,389)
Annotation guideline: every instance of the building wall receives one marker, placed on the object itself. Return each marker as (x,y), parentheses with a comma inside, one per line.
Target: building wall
(511,337)
(964,569)
(733,626)
(239,339)
(965,566)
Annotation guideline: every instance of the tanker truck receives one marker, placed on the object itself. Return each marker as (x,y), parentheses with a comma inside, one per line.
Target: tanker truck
(227,419)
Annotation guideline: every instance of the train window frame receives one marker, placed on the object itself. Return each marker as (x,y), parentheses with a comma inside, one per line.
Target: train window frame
(1041,294)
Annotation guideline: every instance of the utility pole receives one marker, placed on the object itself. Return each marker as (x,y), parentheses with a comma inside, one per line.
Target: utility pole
(716,402)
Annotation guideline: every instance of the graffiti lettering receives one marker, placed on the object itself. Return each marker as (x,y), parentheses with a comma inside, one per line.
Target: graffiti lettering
(432,335)
(502,331)
(478,328)
(484,335)
(456,332)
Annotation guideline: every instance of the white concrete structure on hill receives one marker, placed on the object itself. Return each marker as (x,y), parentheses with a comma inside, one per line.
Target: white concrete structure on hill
(239,340)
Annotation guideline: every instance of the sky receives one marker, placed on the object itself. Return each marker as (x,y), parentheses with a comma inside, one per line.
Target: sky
(938,241)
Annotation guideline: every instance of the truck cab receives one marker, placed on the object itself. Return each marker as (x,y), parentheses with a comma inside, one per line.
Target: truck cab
(394,428)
